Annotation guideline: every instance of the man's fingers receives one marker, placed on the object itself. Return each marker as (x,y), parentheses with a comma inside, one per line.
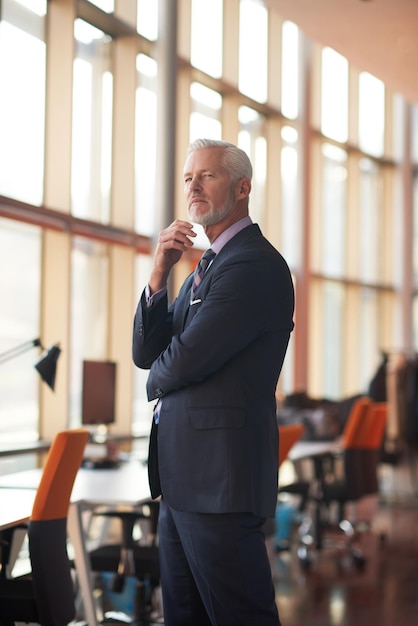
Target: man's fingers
(178,236)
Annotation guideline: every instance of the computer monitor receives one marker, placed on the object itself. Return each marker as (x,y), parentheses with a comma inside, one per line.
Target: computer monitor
(98,395)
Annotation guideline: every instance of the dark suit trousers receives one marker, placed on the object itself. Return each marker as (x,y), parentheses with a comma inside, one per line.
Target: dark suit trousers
(215,570)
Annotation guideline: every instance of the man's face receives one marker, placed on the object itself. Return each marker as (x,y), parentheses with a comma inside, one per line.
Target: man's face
(207,185)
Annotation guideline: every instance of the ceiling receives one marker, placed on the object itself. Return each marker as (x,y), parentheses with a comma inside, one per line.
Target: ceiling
(376,36)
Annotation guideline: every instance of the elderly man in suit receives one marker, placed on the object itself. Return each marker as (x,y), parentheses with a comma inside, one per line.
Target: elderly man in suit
(214,356)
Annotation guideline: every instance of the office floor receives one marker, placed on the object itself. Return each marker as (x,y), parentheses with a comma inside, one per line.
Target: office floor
(334,592)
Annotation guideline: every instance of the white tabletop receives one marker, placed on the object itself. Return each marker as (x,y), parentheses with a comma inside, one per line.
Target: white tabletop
(15,506)
(127,484)
(310,449)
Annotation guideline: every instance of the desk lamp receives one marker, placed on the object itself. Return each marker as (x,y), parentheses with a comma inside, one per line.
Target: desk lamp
(47,364)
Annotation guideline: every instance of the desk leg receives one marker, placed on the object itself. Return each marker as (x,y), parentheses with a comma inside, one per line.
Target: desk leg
(82,562)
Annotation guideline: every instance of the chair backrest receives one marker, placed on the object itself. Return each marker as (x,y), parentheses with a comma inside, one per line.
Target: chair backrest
(51,571)
(370,445)
(355,421)
(363,451)
(372,432)
(289,434)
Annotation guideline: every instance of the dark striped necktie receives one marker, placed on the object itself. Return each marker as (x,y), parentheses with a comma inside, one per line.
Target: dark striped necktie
(201,268)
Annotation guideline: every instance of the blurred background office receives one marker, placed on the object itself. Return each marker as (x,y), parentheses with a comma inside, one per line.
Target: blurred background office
(99,100)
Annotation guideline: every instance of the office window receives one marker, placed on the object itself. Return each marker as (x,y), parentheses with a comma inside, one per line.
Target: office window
(22,112)
(20,247)
(205,116)
(334,95)
(92,125)
(253,40)
(368,336)
(147,19)
(106,5)
(371,221)
(290,70)
(371,114)
(254,144)
(415,321)
(290,198)
(333,218)
(145,144)
(89,312)
(36,6)
(332,332)
(414,133)
(206,36)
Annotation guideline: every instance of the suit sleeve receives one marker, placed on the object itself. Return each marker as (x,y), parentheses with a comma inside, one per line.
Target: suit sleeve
(151,332)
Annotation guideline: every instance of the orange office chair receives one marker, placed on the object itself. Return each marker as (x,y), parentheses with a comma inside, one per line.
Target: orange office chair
(46,595)
(289,434)
(370,440)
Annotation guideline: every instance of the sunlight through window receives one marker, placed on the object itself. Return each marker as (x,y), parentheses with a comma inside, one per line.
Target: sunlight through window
(253,38)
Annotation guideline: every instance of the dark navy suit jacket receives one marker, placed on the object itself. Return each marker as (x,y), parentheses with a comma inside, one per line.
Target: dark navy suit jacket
(215,364)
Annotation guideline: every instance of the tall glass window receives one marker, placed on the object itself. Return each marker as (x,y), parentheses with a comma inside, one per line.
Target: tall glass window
(334,95)
(371,114)
(291,218)
(371,221)
(332,334)
(145,144)
(414,133)
(368,336)
(20,246)
(147,18)
(205,116)
(22,111)
(333,220)
(106,5)
(290,70)
(206,35)
(253,41)
(92,125)
(89,311)
(254,144)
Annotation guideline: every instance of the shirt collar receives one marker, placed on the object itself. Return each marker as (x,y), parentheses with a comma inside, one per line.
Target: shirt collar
(230,232)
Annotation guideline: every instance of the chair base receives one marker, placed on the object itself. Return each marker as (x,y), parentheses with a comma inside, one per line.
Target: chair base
(346,542)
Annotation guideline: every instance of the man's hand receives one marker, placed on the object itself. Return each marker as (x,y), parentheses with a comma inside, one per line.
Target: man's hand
(171,244)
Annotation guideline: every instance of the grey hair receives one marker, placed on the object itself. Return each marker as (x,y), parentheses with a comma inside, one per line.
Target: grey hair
(234,159)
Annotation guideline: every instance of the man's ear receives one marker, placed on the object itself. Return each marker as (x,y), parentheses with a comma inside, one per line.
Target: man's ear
(243,188)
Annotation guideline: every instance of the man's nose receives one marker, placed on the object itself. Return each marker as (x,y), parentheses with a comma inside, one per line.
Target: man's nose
(195,183)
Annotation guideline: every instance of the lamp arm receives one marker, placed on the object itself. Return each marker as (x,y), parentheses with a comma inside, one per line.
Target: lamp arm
(16,351)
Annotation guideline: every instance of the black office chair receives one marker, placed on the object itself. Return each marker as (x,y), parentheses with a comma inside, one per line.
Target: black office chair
(132,558)
(359,459)
(46,595)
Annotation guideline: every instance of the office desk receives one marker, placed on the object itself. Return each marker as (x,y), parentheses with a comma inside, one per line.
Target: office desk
(127,485)
(311,449)
(15,507)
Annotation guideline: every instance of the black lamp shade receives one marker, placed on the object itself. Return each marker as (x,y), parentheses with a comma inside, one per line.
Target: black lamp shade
(47,365)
